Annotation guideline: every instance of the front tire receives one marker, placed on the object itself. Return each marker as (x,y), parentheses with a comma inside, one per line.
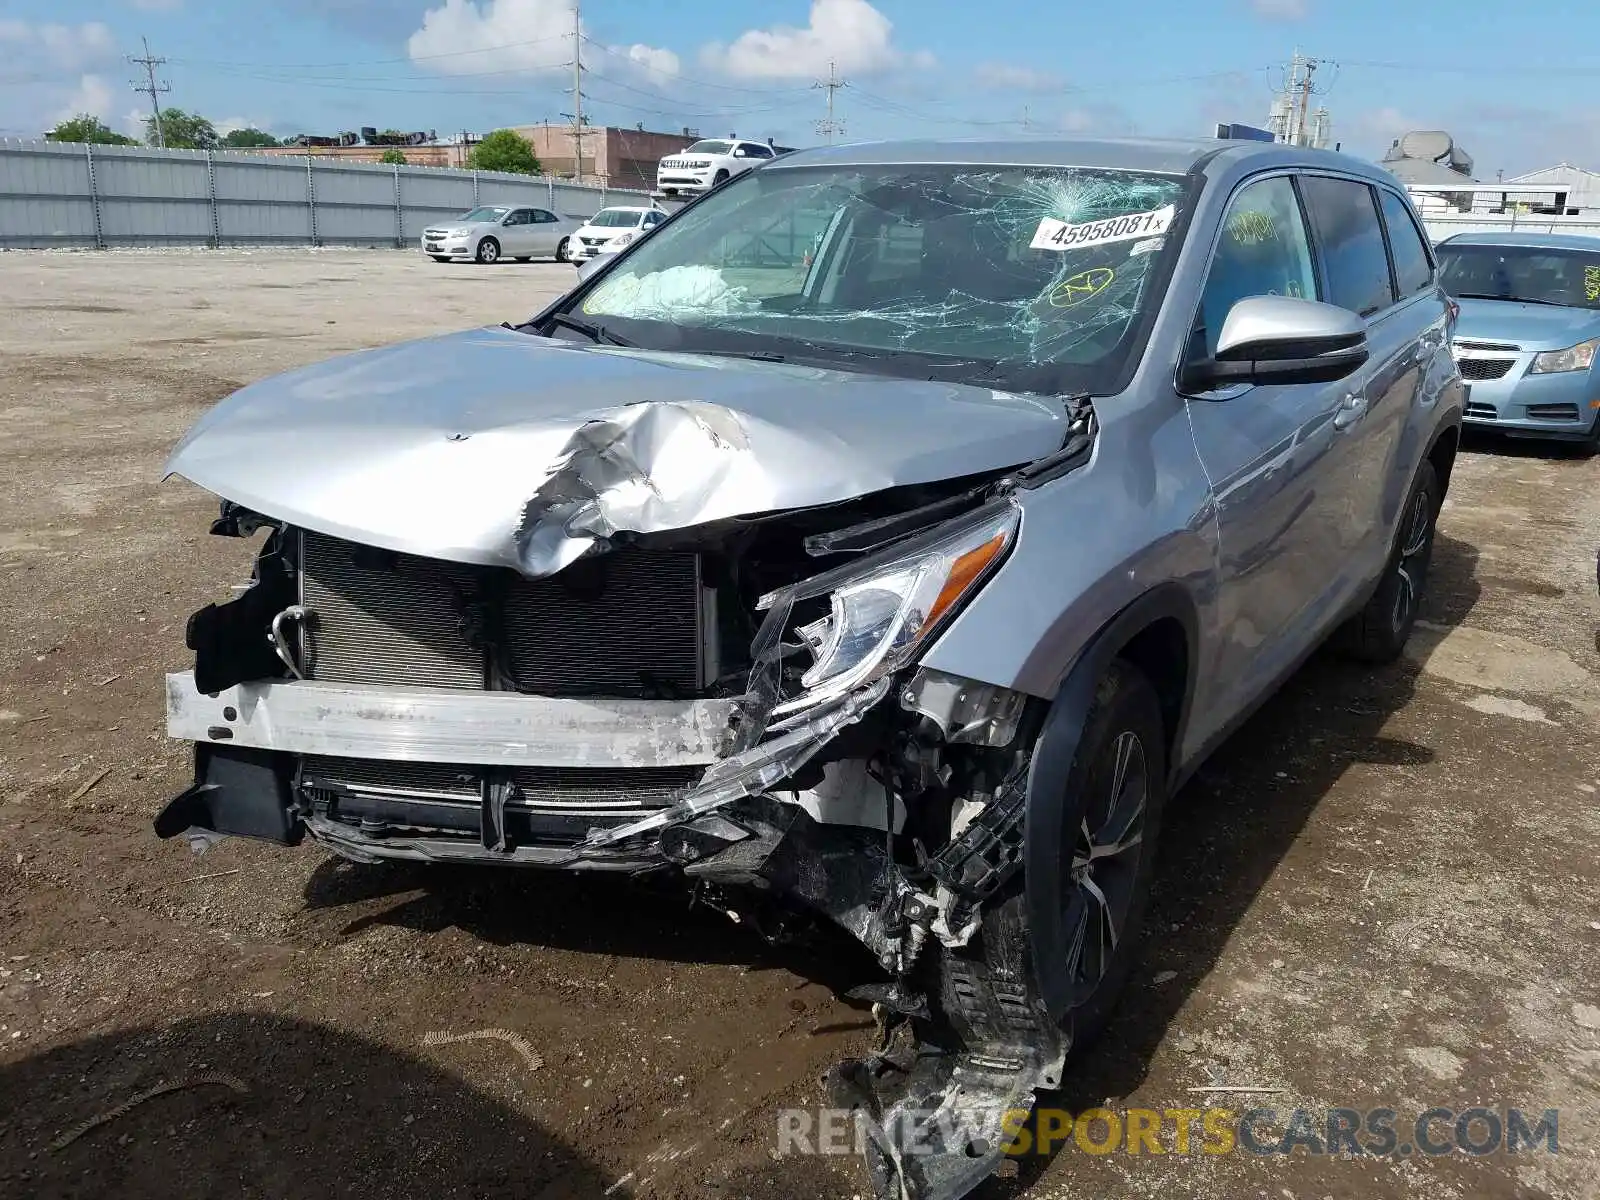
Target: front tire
(1114,798)
(720,179)
(488,251)
(1379,632)
(564,250)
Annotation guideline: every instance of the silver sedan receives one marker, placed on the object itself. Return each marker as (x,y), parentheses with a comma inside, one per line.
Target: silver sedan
(492,232)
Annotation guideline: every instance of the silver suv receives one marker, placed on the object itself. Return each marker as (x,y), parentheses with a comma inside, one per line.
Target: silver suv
(886,537)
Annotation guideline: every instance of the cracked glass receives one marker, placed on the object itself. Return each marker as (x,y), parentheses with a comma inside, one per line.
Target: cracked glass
(993,271)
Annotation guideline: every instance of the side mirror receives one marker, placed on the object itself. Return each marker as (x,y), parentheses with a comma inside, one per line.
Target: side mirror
(1281,339)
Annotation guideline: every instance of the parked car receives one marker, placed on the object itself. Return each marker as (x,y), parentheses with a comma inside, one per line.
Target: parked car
(886,537)
(496,231)
(610,229)
(707,163)
(1529,332)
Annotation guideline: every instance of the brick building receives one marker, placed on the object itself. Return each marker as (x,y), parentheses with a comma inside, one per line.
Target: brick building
(620,158)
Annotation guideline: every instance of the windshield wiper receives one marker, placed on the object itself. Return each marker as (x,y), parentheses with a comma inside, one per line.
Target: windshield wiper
(595,333)
(1509,299)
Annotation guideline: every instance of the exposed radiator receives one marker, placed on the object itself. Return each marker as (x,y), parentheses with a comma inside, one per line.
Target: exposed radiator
(625,624)
(542,789)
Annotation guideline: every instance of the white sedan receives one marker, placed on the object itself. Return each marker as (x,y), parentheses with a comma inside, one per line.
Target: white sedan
(610,229)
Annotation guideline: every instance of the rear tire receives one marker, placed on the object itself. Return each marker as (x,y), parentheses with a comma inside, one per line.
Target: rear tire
(488,252)
(1379,632)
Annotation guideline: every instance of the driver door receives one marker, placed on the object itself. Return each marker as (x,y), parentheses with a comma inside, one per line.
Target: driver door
(517,233)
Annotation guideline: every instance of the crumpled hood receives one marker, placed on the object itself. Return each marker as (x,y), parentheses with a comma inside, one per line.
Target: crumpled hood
(492,446)
(1531,326)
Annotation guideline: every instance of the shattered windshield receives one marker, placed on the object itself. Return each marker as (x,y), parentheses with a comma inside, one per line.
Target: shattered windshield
(989,266)
(1533,274)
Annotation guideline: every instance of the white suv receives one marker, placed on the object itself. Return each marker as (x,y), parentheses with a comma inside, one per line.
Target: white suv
(705,164)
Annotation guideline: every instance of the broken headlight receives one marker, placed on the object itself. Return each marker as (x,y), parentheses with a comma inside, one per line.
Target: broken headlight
(881,613)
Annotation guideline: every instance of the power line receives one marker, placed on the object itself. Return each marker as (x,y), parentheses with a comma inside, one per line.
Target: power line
(828,127)
(150,63)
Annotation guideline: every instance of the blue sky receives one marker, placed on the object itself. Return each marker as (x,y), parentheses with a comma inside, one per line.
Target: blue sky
(1518,93)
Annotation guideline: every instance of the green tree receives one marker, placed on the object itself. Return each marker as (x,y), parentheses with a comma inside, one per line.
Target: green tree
(248,138)
(505,150)
(393,156)
(182,131)
(86,128)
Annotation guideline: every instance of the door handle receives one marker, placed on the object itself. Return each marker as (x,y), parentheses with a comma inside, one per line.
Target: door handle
(1351,410)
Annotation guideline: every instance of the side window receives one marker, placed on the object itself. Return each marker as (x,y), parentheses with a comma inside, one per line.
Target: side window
(1353,257)
(1413,268)
(1262,251)
(540,217)
(518,216)
(760,152)
(652,219)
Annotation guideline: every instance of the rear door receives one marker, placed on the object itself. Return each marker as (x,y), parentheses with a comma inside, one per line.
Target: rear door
(545,232)
(1268,454)
(1389,282)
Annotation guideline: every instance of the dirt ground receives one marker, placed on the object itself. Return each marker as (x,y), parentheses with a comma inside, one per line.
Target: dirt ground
(1381,893)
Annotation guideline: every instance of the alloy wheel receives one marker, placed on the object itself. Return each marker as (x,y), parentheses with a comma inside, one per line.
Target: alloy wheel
(1413,564)
(1105,862)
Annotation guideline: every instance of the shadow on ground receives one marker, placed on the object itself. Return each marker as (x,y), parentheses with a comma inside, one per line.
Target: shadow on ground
(326,1114)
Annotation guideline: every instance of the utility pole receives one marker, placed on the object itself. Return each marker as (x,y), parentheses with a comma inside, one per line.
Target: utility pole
(1292,117)
(827,128)
(577,94)
(150,85)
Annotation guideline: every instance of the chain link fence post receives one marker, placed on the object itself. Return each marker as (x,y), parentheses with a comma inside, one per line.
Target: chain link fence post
(399,212)
(94,198)
(211,195)
(311,198)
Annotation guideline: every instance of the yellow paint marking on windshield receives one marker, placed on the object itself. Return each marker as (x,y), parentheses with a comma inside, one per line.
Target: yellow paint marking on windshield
(1591,284)
(1085,285)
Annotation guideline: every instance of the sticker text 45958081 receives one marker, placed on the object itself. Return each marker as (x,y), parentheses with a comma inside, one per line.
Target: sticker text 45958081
(1060,235)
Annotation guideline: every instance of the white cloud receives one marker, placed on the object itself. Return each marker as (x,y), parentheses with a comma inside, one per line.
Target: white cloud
(467,37)
(63,48)
(851,34)
(461,37)
(1280,10)
(1099,120)
(92,95)
(1011,77)
(652,58)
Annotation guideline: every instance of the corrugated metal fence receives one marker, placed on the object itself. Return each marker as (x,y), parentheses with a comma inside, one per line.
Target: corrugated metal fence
(64,194)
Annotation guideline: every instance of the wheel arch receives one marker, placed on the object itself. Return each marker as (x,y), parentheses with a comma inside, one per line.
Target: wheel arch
(1442,454)
(1159,634)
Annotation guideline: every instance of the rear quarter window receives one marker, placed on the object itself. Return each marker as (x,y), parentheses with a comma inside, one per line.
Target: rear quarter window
(1350,240)
(1413,267)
